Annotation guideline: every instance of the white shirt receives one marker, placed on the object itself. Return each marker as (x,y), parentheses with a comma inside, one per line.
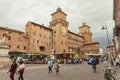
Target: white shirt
(117,60)
(19,58)
(49,63)
(22,66)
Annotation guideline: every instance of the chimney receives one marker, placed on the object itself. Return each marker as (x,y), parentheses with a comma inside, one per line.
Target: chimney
(84,23)
(42,24)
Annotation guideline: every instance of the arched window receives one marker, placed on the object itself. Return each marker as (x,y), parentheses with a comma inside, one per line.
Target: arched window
(9,38)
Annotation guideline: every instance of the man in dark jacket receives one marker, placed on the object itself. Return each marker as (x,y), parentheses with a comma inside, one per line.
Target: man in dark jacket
(94,63)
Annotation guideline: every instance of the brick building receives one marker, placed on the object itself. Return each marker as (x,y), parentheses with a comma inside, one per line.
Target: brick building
(41,39)
(16,39)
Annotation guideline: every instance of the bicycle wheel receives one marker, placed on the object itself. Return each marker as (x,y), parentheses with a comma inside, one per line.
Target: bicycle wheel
(108,76)
(112,78)
(116,75)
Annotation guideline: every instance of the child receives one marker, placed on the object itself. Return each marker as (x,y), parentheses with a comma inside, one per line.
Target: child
(56,67)
(50,64)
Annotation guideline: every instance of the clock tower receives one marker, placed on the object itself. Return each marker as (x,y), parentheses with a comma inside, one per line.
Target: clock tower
(60,31)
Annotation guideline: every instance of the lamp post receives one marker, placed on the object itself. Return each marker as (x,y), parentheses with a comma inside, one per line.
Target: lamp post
(105,27)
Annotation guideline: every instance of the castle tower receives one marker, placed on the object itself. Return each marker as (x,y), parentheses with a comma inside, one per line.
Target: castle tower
(84,30)
(60,31)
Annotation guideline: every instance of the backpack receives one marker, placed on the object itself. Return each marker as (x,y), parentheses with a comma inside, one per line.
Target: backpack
(94,62)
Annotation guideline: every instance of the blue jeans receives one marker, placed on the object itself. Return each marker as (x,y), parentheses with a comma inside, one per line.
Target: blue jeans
(20,76)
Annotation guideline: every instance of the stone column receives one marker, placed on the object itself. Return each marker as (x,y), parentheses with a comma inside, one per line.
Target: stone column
(116,12)
(116,18)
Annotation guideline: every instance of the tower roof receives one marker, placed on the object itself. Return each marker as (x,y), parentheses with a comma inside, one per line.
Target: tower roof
(84,25)
(59,10)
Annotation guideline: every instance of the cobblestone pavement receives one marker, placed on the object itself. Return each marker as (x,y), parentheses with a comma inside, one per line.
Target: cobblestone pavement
(67,72)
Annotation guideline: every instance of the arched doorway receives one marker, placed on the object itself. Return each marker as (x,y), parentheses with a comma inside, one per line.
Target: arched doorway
(42,49)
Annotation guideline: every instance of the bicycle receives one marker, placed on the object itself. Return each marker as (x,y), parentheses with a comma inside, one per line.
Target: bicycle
(108,74)
(111,74)
(116,73)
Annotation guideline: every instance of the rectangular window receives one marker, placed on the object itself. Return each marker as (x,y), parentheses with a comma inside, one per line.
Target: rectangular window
(54,32)
(65,43)
(63,35)
(62,42)
(63,50)
(37,41)
(9,46)
(9,38)
(24,47)
(17,46)
(40,35)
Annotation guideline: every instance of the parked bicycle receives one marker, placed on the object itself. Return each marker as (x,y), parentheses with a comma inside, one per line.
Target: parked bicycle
(116,73)
(111,73)
(108,74)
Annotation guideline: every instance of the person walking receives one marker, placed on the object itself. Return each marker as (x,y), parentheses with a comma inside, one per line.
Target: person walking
(80,60)
(21,70)
(50,65)
(12,69)
(56,68)
(97,59)
(117,61)
(94,63)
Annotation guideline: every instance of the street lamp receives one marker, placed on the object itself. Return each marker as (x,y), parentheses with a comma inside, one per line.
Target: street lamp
(105,27)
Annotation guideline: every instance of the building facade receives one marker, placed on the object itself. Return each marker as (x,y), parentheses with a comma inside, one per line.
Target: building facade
(15,39)
(40,38)
(56,37)
(116,30)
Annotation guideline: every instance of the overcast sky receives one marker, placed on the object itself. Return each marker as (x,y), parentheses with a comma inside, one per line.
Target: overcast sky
(16,13)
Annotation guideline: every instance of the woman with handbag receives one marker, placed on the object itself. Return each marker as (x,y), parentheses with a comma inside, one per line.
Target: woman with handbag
(21,70)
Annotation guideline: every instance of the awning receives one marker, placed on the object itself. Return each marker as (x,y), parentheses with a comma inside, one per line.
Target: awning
(65,53)
(91,54)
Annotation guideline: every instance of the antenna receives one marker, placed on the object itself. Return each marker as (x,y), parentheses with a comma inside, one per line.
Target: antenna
(58,3)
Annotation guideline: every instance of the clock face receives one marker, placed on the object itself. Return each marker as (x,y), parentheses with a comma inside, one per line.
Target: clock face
(63,29)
